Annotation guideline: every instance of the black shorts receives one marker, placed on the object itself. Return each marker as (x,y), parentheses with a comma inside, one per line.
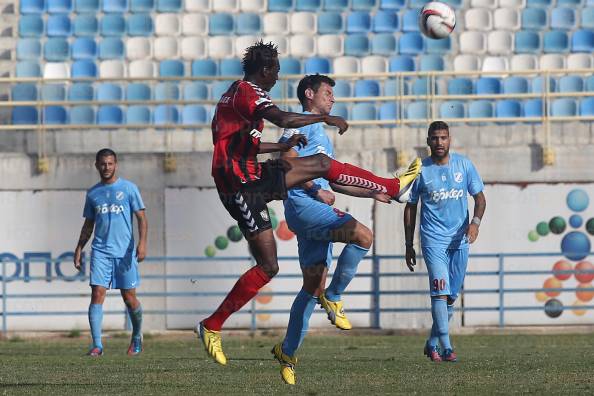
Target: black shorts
(248,205)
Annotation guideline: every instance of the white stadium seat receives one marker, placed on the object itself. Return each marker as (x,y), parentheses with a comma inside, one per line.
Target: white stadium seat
(494,64)
(193,48)
(374,64)
(512,3)
(225,5)
(492,4)
(195,25)
(478,19)
(167,25)
(472,42)
(197,5)
(142,69)
(579,61)
(303,22)
(281,41)
(552,61)
(500,42)
(302,46)
(523,62)
(165,48)
(276,23)
(506,19)
(466,63)
(346,65)
(56,70)
(138,48)
(220,47)
(252,5)
(112,69)
(330,45)
(242,42)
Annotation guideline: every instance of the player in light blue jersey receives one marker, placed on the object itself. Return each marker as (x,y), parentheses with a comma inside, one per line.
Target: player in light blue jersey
(444,185)
(317,224)
(109,206)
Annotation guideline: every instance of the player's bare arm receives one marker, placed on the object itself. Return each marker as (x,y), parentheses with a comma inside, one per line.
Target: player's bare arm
(410,217)
(321,195)
(286,119)
(295,140)
(480,204)
(142,234)
(85,235)
(361,192)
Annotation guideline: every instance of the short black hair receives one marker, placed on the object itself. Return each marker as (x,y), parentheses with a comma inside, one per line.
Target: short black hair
(259,56)
(437,126)
(312,81)
(106,152)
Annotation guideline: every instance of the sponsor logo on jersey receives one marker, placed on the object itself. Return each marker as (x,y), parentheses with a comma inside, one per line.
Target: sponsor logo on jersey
(443,194)
(256,133)
(105,208)
(264,215)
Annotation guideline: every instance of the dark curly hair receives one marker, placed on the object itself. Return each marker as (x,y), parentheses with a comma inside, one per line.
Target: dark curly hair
(259,56)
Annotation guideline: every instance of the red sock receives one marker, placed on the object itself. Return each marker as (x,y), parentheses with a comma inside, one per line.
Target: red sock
(351,175)
(244,290)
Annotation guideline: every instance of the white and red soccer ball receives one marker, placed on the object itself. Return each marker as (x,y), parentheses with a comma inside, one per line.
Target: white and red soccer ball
(437,20)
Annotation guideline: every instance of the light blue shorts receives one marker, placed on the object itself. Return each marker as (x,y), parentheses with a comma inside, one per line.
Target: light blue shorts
(313,227)
(447,268)
(115,273)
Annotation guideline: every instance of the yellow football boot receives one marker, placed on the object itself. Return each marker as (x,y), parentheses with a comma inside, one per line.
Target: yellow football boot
(287,364)
(407,179)
(212,343)
(335,313)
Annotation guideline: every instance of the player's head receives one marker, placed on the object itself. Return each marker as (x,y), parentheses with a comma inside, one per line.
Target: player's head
(438,139)
(316,94)
(106,163)
(260,62)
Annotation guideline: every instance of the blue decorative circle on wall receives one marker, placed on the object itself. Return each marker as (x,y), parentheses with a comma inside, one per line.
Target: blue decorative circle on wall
(575,245)
(576,221)
(578,200)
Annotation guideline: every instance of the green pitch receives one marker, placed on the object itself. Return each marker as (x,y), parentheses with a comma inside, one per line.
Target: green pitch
(329,364)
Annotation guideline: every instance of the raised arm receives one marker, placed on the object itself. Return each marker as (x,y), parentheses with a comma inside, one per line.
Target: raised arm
(85,235)
(295,140)
(480,204)
(142,234)
(410,218)
(286,119)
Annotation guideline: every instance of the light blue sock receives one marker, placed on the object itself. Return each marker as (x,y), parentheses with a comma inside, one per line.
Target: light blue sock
(345,270)
(439,311)
(136,319)
(95,321)
(301,311)
(434,335)
(450,312)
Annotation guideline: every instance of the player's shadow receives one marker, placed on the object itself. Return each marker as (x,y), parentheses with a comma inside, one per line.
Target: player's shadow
(536,157)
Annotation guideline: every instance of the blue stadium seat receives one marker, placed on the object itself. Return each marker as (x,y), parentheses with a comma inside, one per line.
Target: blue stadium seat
(114,6)
(196,90)
(587,19)
(80,92)
(83,68)
(590,83)
(563,107)
(194,114)
(367,88)
(356,45)
(138,115)
(171,68)
(336,5)
(56,50)
(363,5)
(460,86)
(515,85)
(58,26)
(32,6)
(28,49)
(113,25)
(138,91)
(82,115)
(533,108)
(358,22)
(167,91)
(431,62)
(166,114)
(28,69)
(442,47)
(421,86)
(526,42)
(508,108)
(84,48)
(452,109)
(363,111)
(111,48)
(31,26)
(480,109)
(290,66)
(417,110)
(539,87)
(401,63)
(204,67)
(220,24)
(142,5)
(385,22)
(280,5)
(555,41)
(392,4)
(411,43)
(317,65)
(218,88)
(140,25)
(330,23)
(169,5)
(488,85)
(341,110)
(24,115)
(587,107)
(563,18)
(108,115)
(308,5)
(53,92)
(387,112)
(571,84)
(231,67)
(582,41)
(384,44)
(86,25)
(392,88)
(248,23)
(54,115)
(534,19)
(454,3)
(410,20)
(416,3)
(570,3)
(343,89)
(107,92)
(539,3)
(59,6)
(81,6)
(23,92)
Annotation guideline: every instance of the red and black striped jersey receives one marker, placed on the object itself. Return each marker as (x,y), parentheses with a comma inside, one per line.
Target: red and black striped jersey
(236,131)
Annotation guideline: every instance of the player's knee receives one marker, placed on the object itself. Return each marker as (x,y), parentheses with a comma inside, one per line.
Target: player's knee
(364,237)
(323,161)
(271,269)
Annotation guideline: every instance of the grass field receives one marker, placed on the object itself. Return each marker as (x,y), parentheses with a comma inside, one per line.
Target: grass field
(329,364)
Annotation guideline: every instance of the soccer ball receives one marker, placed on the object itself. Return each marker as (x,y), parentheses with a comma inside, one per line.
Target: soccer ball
(437,20)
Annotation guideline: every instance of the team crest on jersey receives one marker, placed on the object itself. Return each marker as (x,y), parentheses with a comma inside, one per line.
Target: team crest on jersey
(256,133)
(119,195)
(264,215)
(458,177)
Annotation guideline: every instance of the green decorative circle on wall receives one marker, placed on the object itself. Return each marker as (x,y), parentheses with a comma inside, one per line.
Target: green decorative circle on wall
(221,242)
(557,225)
(533,236)
(542,228)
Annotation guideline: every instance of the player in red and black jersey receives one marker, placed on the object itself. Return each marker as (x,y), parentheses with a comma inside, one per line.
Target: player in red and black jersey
(245,186)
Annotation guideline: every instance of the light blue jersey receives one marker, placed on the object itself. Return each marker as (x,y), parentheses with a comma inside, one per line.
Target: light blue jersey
(443,191)
(111,207)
